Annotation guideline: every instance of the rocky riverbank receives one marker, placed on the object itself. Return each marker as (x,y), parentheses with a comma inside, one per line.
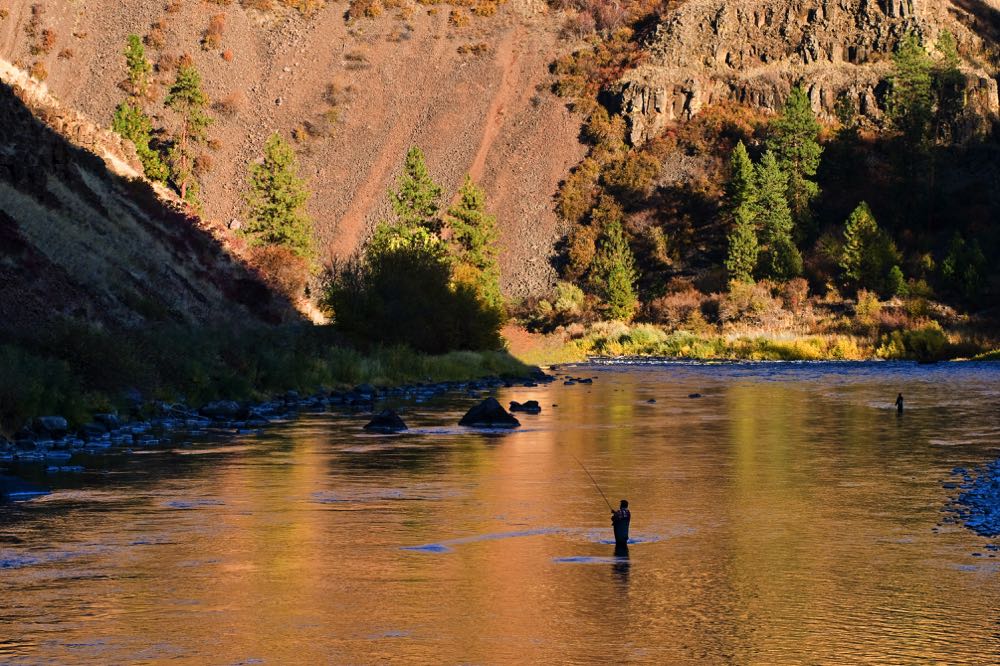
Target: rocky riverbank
(50,441)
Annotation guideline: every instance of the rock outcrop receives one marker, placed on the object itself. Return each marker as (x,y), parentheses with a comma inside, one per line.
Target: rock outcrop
(712,51)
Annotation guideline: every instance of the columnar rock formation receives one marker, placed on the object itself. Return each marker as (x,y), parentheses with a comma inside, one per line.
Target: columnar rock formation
(753,52)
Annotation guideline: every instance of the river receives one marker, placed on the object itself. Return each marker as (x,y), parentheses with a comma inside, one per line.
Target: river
(788,515)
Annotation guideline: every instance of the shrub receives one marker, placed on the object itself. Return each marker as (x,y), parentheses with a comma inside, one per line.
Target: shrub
(751,304)
(579,25)
(578,192)
(364,9)
(38,71)
(458,18)
(231,104)
(867,309)
(672,310)
(282,268)
(156,38)
(227,55)
(212,37)
(259,5)
(795,293)
(4,13)
(174,6)
(403,295)
(925,344)
(485,8)
(66,54)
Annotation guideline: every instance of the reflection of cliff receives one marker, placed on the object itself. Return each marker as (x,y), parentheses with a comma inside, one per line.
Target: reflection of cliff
(712,51)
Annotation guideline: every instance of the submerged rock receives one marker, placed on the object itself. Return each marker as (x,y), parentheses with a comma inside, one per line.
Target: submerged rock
(386,421)
(529,407)
(489,414)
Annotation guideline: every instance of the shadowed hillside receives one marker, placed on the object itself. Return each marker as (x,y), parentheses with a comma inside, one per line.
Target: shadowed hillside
(83,243)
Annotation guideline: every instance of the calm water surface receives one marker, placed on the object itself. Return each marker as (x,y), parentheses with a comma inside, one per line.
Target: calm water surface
(788,516)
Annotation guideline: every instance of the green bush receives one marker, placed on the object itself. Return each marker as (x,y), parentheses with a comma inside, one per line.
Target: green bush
(926,343)
(403,295)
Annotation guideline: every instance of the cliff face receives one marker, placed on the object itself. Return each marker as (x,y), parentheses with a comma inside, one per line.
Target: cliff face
(753,52)
(84,240)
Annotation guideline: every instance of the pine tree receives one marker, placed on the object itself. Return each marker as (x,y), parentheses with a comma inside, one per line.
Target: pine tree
(416,201)
(187,98)
(781,259)
(613,270)
(132,123)
(795,144)
(869,254)
(474,232)
(276,201)
(139,68)
(911,99)
(949,87)
(741,201)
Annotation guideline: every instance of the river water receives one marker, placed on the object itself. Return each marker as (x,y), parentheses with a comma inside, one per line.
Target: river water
(786,516)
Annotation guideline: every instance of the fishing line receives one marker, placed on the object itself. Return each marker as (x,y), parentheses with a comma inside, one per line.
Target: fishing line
(594,482)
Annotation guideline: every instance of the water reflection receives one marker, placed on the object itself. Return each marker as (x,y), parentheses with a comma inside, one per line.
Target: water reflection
(787,516)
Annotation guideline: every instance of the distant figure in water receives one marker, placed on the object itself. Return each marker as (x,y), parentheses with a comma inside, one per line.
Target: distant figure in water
(620,520)
(899,403)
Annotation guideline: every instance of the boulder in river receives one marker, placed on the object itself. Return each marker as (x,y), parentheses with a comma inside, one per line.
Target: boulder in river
(386,421)
(529,407)
(53,426)
(489,414)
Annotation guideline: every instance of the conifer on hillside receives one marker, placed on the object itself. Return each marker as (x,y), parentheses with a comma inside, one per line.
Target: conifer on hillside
(187,99)
(781,259)
(276,201)
(613,270)
(795,144)
(475,234)
(741,202)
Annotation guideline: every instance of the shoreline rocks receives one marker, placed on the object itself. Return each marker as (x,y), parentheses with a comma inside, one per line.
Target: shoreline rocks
(529,407)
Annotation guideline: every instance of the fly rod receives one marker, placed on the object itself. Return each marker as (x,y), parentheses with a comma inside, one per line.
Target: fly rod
(594,481)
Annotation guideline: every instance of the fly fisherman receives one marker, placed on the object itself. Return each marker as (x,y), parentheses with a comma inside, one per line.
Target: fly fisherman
(619,521)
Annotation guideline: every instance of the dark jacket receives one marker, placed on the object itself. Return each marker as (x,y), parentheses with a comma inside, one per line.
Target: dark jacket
(620,520)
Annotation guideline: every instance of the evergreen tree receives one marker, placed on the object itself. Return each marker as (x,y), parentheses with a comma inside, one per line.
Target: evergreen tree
(911,100)
(795,144)
(276,201)
(781,259)
(896,285)
(613,270)
(964,267)
(139,68)
(869,254)
(132,123)
(741,202)
(416,201)
(949,88)
(187,99)
(476,237)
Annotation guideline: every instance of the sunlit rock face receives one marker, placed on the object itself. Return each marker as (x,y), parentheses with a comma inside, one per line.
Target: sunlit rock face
(752,52)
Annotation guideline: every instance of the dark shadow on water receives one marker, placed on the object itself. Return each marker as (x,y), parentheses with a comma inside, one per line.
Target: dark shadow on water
(622,564)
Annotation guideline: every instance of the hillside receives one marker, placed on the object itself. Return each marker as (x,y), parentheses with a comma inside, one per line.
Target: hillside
(474,98)
(86,240)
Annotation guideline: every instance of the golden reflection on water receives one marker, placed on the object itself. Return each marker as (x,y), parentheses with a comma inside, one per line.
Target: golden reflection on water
(785,517)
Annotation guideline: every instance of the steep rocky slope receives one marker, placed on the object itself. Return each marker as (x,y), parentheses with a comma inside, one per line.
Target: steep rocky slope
(712,51)
(400,82)
(83,239)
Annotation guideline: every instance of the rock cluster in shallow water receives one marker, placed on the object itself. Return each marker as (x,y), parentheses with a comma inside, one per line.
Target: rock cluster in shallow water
(978,505)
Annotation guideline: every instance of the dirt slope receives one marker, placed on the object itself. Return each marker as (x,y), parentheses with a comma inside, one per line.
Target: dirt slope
(402,82)
(83,241)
